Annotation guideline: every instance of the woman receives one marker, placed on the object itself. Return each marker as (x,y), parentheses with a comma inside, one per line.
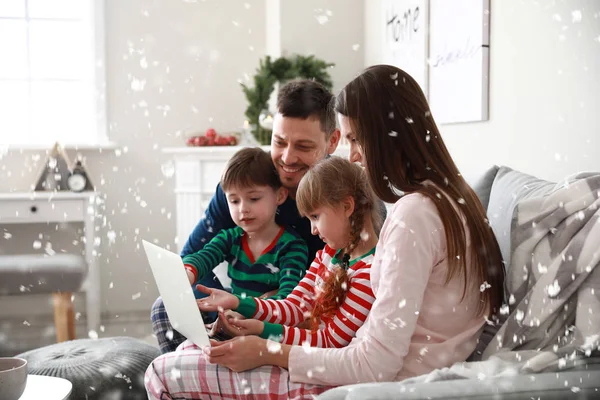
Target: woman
(437,273)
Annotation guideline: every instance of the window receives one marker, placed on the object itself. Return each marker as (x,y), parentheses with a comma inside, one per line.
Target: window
(52,73)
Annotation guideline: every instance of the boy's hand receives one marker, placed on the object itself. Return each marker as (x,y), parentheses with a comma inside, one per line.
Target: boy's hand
(269,294)
(217,300)
(240,327)
(190,276)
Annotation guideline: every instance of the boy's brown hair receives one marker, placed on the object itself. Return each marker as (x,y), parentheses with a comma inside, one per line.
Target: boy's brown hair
(250,166)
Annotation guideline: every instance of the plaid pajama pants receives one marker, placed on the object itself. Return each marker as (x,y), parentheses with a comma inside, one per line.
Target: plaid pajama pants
(185,374)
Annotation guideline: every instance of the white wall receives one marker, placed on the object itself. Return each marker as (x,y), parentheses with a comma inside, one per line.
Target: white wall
(195,54)
(330,29)
(544,89)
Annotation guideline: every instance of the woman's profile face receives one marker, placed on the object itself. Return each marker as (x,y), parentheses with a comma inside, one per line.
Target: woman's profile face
(356,154)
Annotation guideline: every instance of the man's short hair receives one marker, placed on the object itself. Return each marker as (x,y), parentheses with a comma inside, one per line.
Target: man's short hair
(250,166)
(305,99)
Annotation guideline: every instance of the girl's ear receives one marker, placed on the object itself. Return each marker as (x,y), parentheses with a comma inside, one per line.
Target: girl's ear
(348,205)
(282,194)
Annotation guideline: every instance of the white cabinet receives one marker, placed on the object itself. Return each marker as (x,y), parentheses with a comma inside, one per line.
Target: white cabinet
(197,172)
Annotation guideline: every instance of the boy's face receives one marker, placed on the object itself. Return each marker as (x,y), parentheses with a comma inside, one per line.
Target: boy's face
(253,208)
(296,145)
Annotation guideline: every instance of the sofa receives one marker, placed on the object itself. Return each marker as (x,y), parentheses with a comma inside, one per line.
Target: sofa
(500,190)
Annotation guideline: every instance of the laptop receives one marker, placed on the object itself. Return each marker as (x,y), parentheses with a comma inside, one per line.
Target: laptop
(176,292)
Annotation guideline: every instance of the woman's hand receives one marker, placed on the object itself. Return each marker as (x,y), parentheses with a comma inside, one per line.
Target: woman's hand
(239,327)
(217,300)
(247,352)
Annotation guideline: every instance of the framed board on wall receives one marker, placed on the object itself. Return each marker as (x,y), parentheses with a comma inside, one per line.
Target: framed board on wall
(404,25)
(444,45)
(459,33)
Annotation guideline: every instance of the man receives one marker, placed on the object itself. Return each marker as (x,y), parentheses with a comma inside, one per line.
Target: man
(304,132)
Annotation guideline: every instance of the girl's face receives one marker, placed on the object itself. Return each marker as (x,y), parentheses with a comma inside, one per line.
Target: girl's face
(356,153)
(332,224)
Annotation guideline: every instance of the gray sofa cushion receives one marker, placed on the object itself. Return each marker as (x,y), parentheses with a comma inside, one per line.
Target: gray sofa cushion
(483,185)
(509,188)
(547,386)
(111,368)
(37,273)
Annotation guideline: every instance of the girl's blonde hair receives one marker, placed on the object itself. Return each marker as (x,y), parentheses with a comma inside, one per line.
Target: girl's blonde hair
(328,184)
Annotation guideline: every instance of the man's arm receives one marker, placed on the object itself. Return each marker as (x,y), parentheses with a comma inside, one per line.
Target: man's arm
(216,218)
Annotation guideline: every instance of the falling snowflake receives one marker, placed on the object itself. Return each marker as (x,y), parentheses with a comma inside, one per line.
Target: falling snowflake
(111,235)
(138,85)
(136,296)
(93,334)
(273,269)
(520,315)
(554,289)
(355,47)
(484,286)
(175,374)
(393,133)
(37,245)
(576,16)
(273,346)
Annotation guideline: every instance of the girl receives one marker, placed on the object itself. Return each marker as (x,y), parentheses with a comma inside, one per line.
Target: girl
(335,296)
(437,273)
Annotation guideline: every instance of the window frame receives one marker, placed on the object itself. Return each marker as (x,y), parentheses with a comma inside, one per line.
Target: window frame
(97,138)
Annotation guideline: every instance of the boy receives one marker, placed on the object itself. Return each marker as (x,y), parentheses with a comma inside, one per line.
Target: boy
(264,258)
(304,132)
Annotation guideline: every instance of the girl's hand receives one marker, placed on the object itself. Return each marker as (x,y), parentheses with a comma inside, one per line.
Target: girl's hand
(247,352)
(217,300)
(240,327)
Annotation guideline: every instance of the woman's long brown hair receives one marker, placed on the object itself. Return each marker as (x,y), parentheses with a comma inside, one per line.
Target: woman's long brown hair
(402,149)
(328,184)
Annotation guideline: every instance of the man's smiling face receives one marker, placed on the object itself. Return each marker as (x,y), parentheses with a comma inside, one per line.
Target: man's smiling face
(296,145)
